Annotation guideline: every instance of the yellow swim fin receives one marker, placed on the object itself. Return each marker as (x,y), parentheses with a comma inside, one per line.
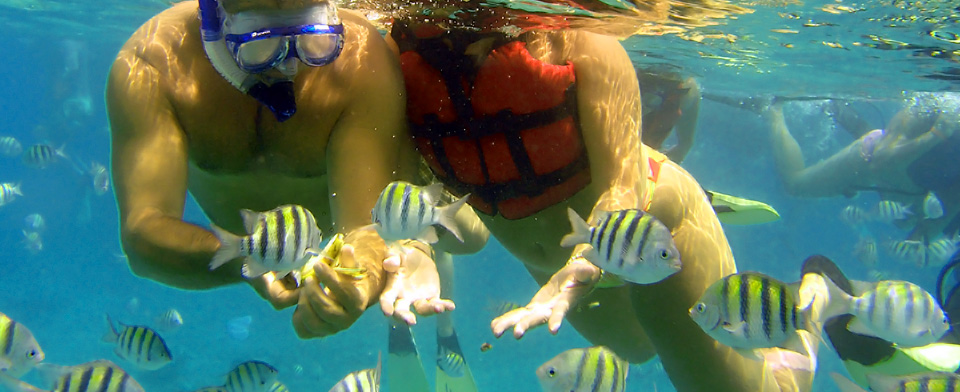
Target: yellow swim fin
(404,370)
(739,211)
(940,357)
(453,373)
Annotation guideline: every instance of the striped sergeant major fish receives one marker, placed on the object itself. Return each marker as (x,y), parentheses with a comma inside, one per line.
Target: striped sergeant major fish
(912,251)
(281,240)
(19,350)
(928,382)
(592,369)
(169,321)
(97,376)
(10,146)
(9,192)
(251,376)
(366,380)
(940,251)
(278,387)
(139,345)
(750,311)
(889,211)
(405,211)
(40,156)
(100,178)
(630,243)
(450,362)
(897,311)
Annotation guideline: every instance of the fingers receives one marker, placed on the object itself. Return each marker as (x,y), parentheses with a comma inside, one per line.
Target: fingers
(586,273)
(345,293)
(520,319)
(308,326)
(556,316)
(389,297)
(429,307)
(402,311)
(276,292)
(318,313)
(529,321)
(392,263)
(507,320)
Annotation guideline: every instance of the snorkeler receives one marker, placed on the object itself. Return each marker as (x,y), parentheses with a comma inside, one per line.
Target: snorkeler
(253,104)
(913,156)
(533,124)
(670,104)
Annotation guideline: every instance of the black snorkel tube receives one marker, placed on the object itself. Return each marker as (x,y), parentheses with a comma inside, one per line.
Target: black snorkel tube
(278,97)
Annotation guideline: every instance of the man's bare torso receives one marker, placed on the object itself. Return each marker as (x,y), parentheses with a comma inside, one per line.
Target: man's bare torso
(239,155)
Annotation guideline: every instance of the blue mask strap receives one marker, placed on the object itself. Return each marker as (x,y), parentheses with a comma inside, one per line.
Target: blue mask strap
(278,97)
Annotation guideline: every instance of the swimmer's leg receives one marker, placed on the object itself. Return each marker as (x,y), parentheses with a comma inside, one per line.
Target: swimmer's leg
(404,370)
(461,379)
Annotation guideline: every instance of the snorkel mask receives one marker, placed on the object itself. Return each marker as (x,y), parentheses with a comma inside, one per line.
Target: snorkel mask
(243,45)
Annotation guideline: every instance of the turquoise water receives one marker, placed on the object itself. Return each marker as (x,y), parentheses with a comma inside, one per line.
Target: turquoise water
(51,91)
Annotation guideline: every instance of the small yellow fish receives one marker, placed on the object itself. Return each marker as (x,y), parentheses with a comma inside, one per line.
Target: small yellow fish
(366,380)
(169,321)
(584,369)
(251,376)
(140,345)
(866,250)
(450,362)
(785,31)
(331,256)
(912,251)
(19,350)
(835,45)
(100,375)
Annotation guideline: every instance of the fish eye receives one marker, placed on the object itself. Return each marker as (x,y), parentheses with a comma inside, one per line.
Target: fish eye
(552,372)
(701,307)
(31,353)
(664,254)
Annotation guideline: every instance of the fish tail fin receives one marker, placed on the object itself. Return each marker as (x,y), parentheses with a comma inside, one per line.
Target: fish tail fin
(580,233)
(229,247)
(838,302)
(844,384)
(61,152)
(112,335)
(448,216)
(253,270)
(15,189)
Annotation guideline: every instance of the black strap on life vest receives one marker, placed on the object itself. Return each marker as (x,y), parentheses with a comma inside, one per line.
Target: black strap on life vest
(445,54)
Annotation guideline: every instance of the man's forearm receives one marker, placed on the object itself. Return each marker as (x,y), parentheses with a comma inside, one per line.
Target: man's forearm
(175,253)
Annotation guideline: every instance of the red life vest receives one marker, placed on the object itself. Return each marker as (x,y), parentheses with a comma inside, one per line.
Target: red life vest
(506,132)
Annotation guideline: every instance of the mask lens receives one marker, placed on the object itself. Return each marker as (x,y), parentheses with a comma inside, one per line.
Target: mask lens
(318,49)
(262,53)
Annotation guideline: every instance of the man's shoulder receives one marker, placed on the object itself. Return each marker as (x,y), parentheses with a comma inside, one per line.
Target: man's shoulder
(165,33)
(366,53)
